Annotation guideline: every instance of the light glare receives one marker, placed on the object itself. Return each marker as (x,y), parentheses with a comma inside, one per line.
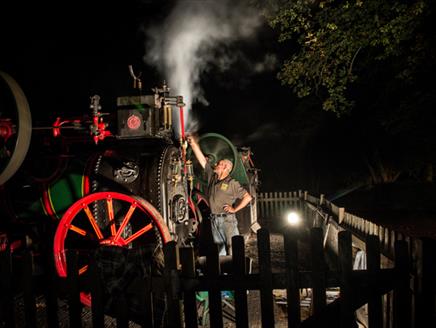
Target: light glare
(293,218)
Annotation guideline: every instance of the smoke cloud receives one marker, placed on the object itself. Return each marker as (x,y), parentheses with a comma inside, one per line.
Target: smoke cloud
(193,37)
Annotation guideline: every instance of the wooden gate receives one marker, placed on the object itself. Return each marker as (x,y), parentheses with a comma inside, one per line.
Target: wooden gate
(185,276)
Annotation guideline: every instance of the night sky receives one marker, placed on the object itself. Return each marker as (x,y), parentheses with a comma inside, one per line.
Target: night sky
(63,53)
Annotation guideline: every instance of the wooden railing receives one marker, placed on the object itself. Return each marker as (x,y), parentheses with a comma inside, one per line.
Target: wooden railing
(333,219)
(185,276)
(273,206)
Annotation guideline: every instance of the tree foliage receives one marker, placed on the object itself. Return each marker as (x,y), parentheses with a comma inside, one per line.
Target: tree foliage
(371,63)
(336,43)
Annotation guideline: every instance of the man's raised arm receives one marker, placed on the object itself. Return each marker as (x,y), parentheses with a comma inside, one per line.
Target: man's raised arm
(197,151)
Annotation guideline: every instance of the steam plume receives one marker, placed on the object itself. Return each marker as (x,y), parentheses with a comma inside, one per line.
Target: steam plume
(191,38)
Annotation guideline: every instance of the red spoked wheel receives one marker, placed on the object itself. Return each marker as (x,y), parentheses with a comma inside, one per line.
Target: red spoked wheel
(106,219)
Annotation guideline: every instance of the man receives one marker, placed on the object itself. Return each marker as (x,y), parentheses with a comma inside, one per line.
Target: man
(222,192)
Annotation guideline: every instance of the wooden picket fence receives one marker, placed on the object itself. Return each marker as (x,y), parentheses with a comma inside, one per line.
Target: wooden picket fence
(320,212)
(273,206)
(185,275)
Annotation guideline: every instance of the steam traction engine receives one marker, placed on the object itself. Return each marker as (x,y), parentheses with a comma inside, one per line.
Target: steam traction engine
(120,196)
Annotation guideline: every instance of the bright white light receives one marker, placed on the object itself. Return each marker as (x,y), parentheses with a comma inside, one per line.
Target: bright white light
(293,218)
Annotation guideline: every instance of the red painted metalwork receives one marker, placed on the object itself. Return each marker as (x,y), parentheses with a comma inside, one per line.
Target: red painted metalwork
(6,128)
(152,219)
(182,138)
(98,128)
(47,204)
(133,122)
(57,125)
(182,123)
(86,186)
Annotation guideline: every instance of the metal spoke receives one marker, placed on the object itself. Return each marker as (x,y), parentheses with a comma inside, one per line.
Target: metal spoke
(83,269)
(110,210)
(78,230)
(139,233)
(92,221)
(125,221)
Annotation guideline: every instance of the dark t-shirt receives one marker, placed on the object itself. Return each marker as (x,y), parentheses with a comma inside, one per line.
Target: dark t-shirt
(222,192)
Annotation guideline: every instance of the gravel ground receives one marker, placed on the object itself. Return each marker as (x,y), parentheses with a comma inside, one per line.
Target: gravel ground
(41,316)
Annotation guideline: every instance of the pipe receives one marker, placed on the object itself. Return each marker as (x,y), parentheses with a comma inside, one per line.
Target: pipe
(182,123)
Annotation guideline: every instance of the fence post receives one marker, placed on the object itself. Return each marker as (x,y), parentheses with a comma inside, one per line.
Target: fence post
(425,301)
(97,305)
(239,270)
(306,209)
(6,296)
(318,270)
(381,235)
(346,284)
(402,294)
(149,317)
(214,292)
(189,300)
(27,283)
(266,295)
(271,208)
(292,281)
(375,317)
(50,279)
(171,284)
(341,213)
(75,308)
(276,208)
